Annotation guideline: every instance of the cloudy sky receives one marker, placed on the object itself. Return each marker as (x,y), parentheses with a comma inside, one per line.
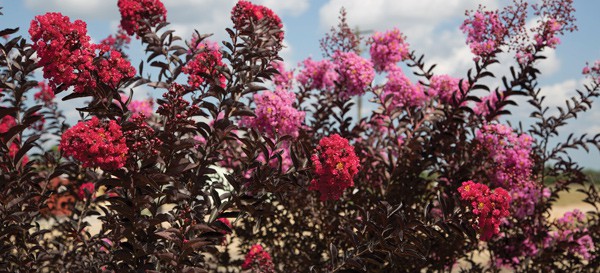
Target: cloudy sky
(432,28)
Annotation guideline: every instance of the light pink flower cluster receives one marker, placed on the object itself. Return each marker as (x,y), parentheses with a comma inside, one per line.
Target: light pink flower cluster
(446,87)
(485,32)
(204,64)
(489,206)
(244,12)
(275,114)
(592,71)
(355,73)
(96,143)
(335,164)
(548,35)
(67,56)
(319,75)
(387,49)
(571,229)
(402,91)
(139,107)
(134,12)
(258,260)
(142,107)
(284,79)
(45,95)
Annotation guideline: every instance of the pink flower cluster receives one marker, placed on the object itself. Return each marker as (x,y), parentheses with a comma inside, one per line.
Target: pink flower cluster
(284,79)
(244,12)
(67,56)
(355,73)
(258,260)
(548,35)
(45,95)
(485,32)
(275,114)
(204,64)
(489,206)
(593,71)
(319,75)
(401,91)
(512,163)
(482,109)
(387,49)
(446,87)
(335,164)
(134,12)
(571,229)
(139,107)
(96,144)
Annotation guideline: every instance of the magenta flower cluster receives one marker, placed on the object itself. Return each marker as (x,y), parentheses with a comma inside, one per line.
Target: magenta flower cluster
(355,73)
(571,229)
(485,32)
(387,49)
(511,156)
(446,88)
(276,114)
(319,75)
(401,92)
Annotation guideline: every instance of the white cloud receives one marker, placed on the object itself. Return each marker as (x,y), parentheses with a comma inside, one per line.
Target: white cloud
(557,94)
(77,9)
(406,15)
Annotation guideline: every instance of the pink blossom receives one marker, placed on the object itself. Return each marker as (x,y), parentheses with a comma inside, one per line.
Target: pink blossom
(446,88)
(401,92)
(320,75)
(275,114)
(485,32)
(387,49)
(356,73)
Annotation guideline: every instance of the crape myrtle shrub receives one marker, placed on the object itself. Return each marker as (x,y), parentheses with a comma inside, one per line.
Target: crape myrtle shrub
(245,166)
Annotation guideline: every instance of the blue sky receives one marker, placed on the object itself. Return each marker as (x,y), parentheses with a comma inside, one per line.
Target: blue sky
(432,28)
